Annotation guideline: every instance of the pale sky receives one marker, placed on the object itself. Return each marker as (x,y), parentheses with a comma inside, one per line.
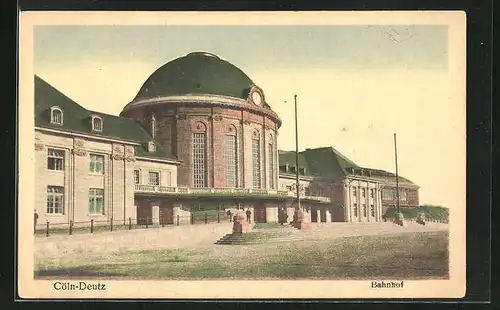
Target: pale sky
(356,85)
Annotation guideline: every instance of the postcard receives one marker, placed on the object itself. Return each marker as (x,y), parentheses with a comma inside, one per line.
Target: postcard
(235,155)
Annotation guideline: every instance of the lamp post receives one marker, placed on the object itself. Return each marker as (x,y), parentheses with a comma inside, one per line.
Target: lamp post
(399,216)
(297,208)
(397,177)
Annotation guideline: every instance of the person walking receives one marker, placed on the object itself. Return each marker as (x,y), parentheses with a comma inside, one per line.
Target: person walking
(248,213)
(36,220)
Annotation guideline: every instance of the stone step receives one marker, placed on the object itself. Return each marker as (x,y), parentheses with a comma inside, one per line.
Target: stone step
(267,237)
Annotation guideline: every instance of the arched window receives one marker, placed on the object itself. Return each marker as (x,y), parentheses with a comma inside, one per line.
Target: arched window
(96,123)
(231,157)
(199,155)
(151,147)
(56,116)
(256,159)
(271,161)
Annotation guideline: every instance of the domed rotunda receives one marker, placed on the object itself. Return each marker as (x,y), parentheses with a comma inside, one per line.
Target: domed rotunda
(214,119)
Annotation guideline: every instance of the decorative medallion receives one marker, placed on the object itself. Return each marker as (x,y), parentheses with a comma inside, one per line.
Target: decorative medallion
(117,148)
(218,118)
(130,158)
(129,150)
(38,146)
(78,145)
(118,156)
(79,152)
(38,143)
(180,117)
(79,142)
(245,122)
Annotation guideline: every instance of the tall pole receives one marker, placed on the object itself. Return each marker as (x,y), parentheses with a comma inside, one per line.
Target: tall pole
(397,177)
(297,156)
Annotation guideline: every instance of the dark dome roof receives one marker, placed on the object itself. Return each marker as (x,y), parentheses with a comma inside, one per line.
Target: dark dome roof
(196,73)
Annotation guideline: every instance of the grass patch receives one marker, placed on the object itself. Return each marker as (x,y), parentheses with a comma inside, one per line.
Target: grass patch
(437,213)
(407,255)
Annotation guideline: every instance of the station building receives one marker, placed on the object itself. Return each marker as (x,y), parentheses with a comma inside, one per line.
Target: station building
(198,134)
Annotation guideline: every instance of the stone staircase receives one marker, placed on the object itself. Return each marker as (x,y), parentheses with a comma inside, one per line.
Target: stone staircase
(258,236)
(321,231)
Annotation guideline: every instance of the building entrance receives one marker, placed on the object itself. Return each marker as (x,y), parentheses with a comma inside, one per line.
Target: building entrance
(166,213)
(260,214)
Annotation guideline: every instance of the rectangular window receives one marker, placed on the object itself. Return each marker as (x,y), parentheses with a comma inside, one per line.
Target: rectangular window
(387,194)
(256,162)
(355,209)
(363,192)
(154,178)
(402,194)
(199,160)
(371,193)
(307,192)
(364,210)
(137,177)
(96,163)
(96,201)
(55,159)
(289,188)
(271,166)
(354,192)
(231,162)
(55,200)
(372,210)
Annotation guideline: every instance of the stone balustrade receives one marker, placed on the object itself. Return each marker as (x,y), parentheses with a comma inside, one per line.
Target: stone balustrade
(142,188)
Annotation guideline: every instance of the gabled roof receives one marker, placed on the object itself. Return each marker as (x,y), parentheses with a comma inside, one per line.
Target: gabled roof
(324,161)
(387,177)
(77,119)
(328,162)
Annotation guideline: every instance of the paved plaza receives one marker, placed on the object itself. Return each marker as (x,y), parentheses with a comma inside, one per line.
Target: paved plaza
(192,236)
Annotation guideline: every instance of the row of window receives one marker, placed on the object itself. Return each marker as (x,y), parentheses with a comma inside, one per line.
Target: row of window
(363,192)
(55,161)
(355,210)
(307,191)
(57,117)
(391,194)
(55,200)
(200,171)
(153,177)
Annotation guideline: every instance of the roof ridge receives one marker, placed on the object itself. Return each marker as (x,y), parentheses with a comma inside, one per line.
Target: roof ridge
(343,156)
(59,92)
(337,160)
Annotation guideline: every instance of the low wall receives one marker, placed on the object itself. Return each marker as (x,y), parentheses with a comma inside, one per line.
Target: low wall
(56,246)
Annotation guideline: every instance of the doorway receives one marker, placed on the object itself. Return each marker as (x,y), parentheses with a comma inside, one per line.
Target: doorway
(260,214)
(166,213)
(322,214)
(314,215)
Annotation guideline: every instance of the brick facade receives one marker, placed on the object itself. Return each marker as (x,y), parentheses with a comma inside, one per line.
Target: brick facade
(176,124)
(408,196)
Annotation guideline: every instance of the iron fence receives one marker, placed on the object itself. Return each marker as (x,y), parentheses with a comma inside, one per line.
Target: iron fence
(94,226)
